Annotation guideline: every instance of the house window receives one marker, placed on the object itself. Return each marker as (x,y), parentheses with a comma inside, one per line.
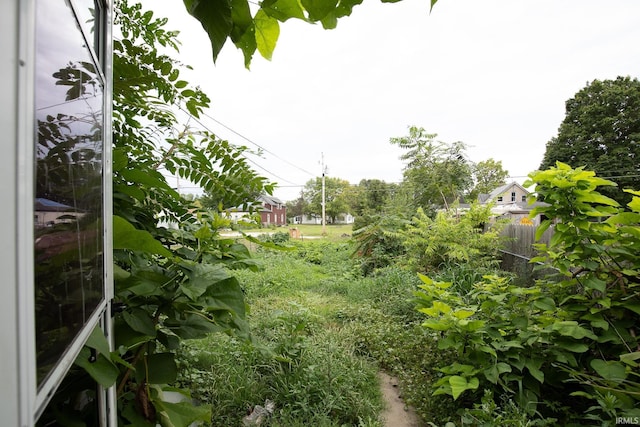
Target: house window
(69,99)
(524,198)
(499,198)
(513,196)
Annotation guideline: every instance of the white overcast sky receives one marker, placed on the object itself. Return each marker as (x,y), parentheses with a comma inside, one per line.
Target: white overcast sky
(494,74)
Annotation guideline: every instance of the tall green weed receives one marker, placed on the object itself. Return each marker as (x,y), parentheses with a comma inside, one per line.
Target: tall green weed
(452,237)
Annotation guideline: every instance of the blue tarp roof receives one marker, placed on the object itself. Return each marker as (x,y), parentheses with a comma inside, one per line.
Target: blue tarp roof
(49,205)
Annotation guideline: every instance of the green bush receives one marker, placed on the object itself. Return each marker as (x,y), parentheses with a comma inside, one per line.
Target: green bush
(378,243)
(278,237)
(562,349)
(452,237)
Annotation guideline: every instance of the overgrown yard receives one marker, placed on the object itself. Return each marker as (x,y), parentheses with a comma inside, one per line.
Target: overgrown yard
(320,333)
(470,345)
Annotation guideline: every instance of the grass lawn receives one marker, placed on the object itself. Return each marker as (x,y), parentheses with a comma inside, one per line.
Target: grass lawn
(333,232)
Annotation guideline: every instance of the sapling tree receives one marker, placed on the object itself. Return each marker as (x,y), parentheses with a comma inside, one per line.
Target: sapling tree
(436,173)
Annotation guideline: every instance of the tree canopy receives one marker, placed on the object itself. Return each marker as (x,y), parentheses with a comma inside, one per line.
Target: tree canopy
(336,191)
(370,195)
(601,132)
(436,172)
(259,30)
(487,175)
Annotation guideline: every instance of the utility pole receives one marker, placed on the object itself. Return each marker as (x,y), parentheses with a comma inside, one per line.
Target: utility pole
(324,217)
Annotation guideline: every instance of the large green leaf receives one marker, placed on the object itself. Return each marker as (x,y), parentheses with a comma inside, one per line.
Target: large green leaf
(202,277)
(570,328)
(215,17)
(460,384)
(437,325)
(494,372)
(592,282)
(126,236)
(319,9)
(147,178)
(181,414)
(267,33)
(630,358)
(609,370)
(99,368)
(283,9)
(127,337)
(625,218)
(144,283)
(546,304)
(594,197)
(98,341)
(533,365)
(162,368)
(226,295)
(344,8)
(140,321)
(192,326)
(243,31)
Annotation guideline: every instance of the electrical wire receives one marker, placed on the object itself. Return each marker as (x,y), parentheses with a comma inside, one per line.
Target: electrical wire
(258,145)
(197,120)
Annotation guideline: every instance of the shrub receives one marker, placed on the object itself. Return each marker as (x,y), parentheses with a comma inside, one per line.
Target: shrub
(378,243)
(562,349)
(278,237)
(452,238)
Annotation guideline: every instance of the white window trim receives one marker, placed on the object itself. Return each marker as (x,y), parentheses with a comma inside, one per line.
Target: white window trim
(22,402)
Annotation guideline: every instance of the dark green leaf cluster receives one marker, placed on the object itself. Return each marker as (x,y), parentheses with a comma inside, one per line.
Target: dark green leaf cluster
(234,19)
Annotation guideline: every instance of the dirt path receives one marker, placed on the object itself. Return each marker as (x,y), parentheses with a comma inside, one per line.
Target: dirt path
(397,414)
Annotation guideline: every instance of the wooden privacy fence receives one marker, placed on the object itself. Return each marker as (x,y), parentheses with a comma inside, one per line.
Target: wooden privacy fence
(520,239)
(518,251)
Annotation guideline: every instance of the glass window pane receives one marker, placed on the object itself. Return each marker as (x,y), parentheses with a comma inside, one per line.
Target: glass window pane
(86,11)
(68,190)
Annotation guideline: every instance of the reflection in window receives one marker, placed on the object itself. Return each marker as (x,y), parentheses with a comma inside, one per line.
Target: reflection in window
(86,11)
(68,183)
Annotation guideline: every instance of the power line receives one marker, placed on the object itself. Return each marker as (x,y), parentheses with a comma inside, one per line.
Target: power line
(247,158)
(258,145)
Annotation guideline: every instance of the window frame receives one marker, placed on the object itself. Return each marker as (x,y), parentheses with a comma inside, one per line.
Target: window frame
(31,398)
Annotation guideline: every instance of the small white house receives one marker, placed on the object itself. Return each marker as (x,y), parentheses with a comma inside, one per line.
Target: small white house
(345,218)
(510,201)
(48,213)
